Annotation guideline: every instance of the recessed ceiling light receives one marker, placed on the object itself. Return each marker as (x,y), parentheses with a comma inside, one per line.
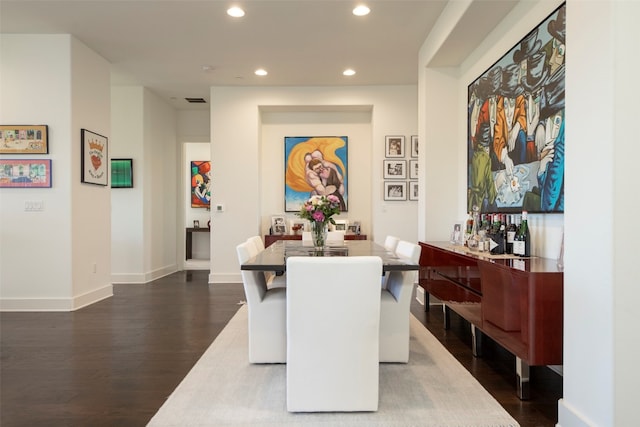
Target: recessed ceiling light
(348,72)
(261,72)
(361,10)
(235,11)
(208,68)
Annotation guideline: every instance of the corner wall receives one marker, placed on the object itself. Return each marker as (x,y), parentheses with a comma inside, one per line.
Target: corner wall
(47,258)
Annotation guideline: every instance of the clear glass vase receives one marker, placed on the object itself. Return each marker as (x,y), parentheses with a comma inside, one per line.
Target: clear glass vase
(319,233)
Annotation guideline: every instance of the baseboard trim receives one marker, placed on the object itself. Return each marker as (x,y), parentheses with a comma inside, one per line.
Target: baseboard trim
(141,278)
(56,304)
(568,416)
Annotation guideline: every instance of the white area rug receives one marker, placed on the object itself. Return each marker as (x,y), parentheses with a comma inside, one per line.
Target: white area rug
(223,389)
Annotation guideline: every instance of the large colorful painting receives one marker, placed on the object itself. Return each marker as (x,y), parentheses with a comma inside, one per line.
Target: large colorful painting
(201,184)
(315,165)
(516,126)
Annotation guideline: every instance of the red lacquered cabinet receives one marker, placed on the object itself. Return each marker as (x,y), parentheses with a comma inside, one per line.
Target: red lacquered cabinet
(516,302)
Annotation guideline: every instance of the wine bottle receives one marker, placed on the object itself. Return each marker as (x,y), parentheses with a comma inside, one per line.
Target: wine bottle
(522,240)
(511,233)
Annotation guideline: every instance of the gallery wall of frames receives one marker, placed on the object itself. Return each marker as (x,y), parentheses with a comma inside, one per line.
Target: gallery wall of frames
(400,168)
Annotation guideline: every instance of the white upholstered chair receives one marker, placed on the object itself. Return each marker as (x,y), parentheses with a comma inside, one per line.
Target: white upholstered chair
(390,243)
(273,280)
(267,313)
(333,315)
(395,302)
(335,236)
(408,250)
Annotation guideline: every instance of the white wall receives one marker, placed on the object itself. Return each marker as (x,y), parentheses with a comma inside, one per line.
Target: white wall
(600,338)
(237,133)
(144,218)
(47,258)
(127,213)
(162,163)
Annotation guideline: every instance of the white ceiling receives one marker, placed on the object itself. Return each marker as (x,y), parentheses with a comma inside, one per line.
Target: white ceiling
(163,45)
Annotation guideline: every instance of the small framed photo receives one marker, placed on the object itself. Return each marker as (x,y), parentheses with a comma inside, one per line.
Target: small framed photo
(340,225)
(394,146)
(413,169)
(33,173)
(278,225)
(395,190)
(395,169)
(414,145)
(297,226)
(413,190)
(94,158)
(196,223)
(457,236)
(121,173)
(354,228)
(24,139)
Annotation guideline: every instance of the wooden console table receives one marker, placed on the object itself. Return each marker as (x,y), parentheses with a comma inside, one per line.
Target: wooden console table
(189,240)
(517,302)
(269,239)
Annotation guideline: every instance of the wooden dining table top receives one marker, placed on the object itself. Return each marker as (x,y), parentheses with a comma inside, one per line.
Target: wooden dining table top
(274,257)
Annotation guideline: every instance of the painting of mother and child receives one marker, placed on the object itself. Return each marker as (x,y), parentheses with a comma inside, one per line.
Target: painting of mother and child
(315,166)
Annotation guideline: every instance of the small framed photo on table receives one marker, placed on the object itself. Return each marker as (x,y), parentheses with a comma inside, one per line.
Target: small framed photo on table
(196,223)
(278,225)
(340,225)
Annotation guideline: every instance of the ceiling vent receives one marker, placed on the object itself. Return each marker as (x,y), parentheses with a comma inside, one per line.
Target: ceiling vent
(196,100)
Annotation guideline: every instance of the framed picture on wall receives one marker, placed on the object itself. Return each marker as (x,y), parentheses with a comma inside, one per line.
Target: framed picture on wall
(394,146)
(24,139)
(315,165)
(27,173)
(525,86)
(200,184)
(413,169)
(394,190)
(413,190)
(121,173)
(94,158)
(395,169)
(414,145)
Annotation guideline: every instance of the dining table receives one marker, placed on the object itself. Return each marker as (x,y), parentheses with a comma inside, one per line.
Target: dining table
(274,257)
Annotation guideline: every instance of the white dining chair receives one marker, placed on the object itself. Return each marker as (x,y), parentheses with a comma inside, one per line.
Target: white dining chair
(267,313)
(395,303)
(390,243)
(333,316)
(408,250)
(274,280)
(306,238)
(335,236)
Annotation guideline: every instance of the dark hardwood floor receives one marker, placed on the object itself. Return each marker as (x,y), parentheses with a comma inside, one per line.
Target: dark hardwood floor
(115,362)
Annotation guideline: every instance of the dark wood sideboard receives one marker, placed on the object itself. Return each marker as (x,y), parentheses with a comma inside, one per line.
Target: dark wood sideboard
(517,302)
(270,239)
